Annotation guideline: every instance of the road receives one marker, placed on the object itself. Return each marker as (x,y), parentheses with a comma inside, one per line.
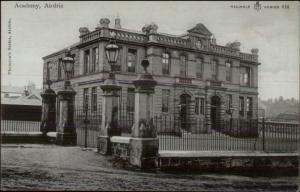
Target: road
(50,167)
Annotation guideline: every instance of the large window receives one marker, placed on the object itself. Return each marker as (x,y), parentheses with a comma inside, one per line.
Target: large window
(94,99)
(48,70)
(183,66)
(165,64)
(85,98)
(86,62)
(130,99)
(241,107)
(165,100)
(245,75)
(95,60)
(199,107)
(59,69)
(214,69)
(199,67)
(131,60)
(249,106)
(228,71)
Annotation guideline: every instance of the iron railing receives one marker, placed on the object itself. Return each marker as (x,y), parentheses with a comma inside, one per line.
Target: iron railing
(226,135)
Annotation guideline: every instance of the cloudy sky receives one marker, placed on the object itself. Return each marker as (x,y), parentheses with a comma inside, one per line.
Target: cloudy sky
(275,32)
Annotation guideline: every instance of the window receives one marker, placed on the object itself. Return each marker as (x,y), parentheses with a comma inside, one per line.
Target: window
(95,60)
(165,64)
(199,68)
(94,99)
(183,66)
(59,69)
(85,98)
(165,100)
(229,104)
(130,99)
(131,60)
(249,106)
(242,106)
(48,70)
(245,73)
(117,66)
(86,61)
(214,69)
(199,107)
(73,68)
(228,71)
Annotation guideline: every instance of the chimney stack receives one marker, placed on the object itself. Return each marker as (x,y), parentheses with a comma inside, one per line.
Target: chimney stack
(118,22)
(104,23)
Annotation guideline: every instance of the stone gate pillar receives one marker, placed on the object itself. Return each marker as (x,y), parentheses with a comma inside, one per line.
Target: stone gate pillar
(48,111)
(144,141)
(66,133)
(110,115)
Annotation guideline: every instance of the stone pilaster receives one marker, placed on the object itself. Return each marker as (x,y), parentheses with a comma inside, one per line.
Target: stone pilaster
(110,115)
(66,133)
(144,141)
(48,111)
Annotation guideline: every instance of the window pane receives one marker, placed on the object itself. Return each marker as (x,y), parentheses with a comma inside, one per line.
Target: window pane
(130,99)
(183,66)
(199,68)
(165,100)
(86,61)
(197,106)
(85,98)
(94,99)
(202,107)
(131,60)
(165,64)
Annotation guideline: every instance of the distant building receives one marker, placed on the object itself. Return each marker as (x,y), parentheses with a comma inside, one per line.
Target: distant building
(26,106)
(196,77)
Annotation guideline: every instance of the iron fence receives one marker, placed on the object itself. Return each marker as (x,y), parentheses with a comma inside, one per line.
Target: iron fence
(226,135)
(20,126)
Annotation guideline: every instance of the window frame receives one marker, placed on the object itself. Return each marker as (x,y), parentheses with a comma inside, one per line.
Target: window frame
(167,63)
(228,71)
(183,65)
(199,66)
(214,70)
(86,61)
(85,103)
(94,98)
(134,61)
(165,98)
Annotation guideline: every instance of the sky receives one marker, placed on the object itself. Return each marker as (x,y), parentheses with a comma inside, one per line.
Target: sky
(36,33)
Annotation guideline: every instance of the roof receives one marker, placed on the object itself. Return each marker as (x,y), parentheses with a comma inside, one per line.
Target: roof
(33,99)
(62,50)
(288,116)
(21,101)
(11,89)
(200,29)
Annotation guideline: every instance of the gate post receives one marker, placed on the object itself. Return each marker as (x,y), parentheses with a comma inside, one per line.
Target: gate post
(110,114)
(48,111)
(144,142)
(66,133)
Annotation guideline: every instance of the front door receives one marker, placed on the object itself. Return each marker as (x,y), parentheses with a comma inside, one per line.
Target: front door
(185,100)
(215,112)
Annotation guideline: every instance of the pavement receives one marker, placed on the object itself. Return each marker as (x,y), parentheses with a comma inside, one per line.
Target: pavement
(51,167)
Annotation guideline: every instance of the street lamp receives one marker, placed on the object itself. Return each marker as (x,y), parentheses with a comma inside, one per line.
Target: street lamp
(68,64)
(112,53)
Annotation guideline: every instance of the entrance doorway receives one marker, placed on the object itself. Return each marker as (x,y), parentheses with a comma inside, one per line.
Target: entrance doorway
(215,113)
(185,101)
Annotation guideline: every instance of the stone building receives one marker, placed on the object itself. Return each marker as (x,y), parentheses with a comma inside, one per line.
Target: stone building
(197,79)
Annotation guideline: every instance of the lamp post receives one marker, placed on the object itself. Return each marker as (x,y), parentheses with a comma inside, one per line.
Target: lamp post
(48,106)
(112,53)
(110,101)
(66,134)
